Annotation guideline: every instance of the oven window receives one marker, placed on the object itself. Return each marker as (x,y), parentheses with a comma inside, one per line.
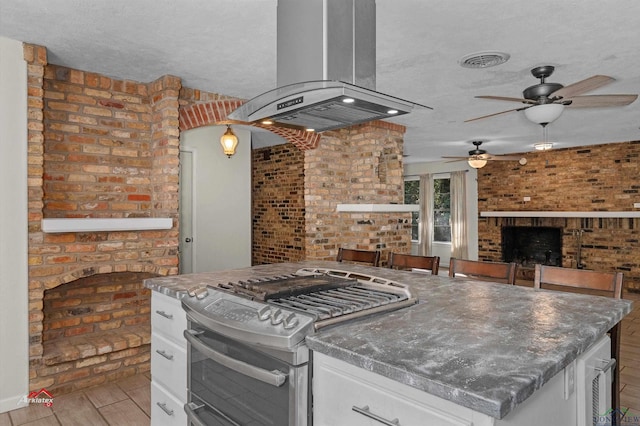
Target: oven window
(244,399)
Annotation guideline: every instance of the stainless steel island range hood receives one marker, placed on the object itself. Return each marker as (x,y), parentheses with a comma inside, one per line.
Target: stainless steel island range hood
(325,69)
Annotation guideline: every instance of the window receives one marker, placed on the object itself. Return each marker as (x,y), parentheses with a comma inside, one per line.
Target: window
(441,210)
(412,196)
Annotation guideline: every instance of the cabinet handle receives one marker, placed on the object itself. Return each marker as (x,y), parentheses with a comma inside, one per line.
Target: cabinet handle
(165,354)
(366,412)
(164,314)
(164,408)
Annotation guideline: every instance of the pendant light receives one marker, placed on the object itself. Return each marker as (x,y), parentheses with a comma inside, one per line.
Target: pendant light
(229,142)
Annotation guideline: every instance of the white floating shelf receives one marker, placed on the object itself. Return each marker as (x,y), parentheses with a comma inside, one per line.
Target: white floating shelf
(59,225)
(615,214)
(377,208)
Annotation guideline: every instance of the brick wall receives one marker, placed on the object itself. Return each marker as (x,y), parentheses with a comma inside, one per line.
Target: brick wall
(361,164)
(97,160)
(97,303)
(97,147)
(592,178)
(278,204)
(358,165)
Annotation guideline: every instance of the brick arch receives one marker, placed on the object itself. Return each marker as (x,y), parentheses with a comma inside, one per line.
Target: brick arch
(79,273)
(216,112)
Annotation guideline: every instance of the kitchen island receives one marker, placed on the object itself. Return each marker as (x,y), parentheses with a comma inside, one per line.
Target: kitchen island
(480,346)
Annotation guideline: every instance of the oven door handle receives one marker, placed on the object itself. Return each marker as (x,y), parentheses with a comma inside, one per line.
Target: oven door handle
(191,408)
(274,378)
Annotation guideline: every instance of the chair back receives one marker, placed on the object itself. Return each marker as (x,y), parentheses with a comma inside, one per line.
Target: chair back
(595,283)
(359,256)
(408,261)
(486,271)
(579,280)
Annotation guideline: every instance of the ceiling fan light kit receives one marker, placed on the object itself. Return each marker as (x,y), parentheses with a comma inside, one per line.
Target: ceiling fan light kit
(543,146)
(476,163)
(544,114)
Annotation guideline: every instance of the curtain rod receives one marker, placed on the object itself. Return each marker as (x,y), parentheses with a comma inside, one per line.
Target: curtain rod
(435,174)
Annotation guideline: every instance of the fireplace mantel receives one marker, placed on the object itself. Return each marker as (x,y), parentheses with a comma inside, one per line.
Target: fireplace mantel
(58,225)
(595,214)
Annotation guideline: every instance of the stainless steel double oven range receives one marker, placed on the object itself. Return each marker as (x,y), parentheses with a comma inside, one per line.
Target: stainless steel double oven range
(248,363)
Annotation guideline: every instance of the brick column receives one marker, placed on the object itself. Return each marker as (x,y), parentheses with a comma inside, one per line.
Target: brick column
(36,58)
(165,154)
(361,164)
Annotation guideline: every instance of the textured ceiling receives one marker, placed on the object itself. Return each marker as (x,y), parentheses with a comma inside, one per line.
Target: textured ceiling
(229,47)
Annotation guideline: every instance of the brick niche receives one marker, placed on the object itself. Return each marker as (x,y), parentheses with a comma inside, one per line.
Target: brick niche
(591,178)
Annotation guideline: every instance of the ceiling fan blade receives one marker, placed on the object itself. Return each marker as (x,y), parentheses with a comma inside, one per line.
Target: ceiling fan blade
(595,101)
(583,86)
(496,113)
(503,158)
(458,158)
(505,98)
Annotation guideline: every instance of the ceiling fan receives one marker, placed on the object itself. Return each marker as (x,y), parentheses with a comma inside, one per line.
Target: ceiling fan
(478,158)
(546,101)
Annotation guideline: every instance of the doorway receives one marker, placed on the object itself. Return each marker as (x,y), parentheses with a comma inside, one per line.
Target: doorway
(215,201)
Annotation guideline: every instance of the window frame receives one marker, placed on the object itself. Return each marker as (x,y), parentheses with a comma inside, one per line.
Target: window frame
(419,213)
(435,211)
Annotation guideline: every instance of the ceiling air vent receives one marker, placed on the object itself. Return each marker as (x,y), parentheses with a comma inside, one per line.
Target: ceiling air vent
(484,59)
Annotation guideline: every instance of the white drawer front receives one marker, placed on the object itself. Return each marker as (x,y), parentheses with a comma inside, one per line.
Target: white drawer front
(166,410)
(169,365)
(336,392)
(168,317)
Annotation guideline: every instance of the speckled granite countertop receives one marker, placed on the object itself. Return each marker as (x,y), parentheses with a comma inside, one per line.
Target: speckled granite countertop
(483,346)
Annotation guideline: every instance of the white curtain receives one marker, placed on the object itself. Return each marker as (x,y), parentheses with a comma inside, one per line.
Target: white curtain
(426,214)
(459,227)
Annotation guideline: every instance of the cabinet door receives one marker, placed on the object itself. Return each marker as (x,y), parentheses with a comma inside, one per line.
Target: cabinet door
(166,410)
(168,318)
(346,395)
(169,365)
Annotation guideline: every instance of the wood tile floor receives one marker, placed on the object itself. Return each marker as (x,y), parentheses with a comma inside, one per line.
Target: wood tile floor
(123,403)
(128,402)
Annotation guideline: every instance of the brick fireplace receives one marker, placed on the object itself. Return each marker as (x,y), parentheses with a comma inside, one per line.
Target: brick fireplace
(97,148)
(528,245)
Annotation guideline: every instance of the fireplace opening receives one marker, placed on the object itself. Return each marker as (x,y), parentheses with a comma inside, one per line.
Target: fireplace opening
(95,315)
(528,245)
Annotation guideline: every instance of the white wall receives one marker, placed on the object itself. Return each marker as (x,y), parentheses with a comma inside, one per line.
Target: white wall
(222,204)
(14,322)
(440,249)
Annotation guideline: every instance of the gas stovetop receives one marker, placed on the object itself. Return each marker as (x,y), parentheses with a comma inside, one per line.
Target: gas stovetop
(279,311)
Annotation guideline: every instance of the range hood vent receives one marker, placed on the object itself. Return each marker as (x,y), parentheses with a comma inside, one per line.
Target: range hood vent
(321,105)
(326,69)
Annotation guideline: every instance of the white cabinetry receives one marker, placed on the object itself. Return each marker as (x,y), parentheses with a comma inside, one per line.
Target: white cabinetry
(345,395)
(168,361)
